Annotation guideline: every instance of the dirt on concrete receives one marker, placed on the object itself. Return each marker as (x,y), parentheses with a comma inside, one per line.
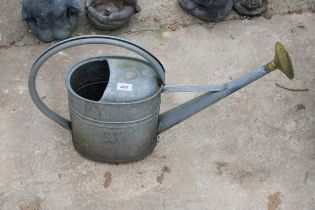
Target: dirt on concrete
(108,179)
(274,201)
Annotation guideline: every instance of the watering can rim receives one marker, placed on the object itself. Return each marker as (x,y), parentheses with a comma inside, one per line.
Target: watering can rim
(73,68)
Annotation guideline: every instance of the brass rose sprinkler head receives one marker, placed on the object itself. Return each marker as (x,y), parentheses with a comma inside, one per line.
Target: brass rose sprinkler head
(282,61)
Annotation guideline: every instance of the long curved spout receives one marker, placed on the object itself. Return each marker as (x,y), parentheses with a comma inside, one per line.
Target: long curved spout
(174,116)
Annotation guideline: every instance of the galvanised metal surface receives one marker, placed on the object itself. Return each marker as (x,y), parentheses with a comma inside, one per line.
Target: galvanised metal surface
(125,128)
(117,141)
(281,61)
(131,79)
(84,40)
(184,111)
(102,128)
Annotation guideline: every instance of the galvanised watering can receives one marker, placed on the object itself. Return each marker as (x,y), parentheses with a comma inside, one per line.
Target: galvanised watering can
(114,101)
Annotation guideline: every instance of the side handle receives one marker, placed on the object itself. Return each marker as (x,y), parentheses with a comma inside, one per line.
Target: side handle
(83,40)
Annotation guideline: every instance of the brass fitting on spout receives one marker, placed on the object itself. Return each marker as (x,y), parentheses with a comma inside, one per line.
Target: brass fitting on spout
(282,61)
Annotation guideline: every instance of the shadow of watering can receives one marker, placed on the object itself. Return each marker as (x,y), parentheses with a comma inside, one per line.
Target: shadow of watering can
(114,101)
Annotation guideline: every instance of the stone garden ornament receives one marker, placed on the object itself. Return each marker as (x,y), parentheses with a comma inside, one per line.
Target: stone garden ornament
(208,10)
(250,7)
(51,20)
(217,10)
(110,15)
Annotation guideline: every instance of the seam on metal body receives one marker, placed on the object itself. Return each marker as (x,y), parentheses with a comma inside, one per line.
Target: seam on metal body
(98,122)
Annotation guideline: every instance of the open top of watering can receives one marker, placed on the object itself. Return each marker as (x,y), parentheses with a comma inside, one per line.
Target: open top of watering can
(113,79)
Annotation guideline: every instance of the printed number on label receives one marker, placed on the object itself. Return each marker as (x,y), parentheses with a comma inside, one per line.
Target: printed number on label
(124,87)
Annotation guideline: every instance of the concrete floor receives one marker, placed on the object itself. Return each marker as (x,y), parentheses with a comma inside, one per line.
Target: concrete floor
(253,150)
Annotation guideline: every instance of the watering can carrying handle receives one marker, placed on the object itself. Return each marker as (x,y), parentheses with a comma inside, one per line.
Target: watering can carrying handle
(83,40)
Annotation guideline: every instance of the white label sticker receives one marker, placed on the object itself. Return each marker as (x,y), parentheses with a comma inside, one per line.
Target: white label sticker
(124,87)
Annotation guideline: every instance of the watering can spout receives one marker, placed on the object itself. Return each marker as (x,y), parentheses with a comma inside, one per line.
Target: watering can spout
(174,116)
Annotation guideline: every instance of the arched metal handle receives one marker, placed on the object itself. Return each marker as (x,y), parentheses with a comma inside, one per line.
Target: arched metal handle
(83,40)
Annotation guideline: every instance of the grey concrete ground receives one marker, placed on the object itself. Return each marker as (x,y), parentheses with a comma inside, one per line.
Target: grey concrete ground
(253,150)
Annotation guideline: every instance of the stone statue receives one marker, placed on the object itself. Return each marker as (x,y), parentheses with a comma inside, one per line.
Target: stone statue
(110,14)
(208,10)
(51,19)
(250,7)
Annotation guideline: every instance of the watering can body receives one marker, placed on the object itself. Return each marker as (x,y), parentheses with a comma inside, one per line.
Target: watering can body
(114,101)
(114,105)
